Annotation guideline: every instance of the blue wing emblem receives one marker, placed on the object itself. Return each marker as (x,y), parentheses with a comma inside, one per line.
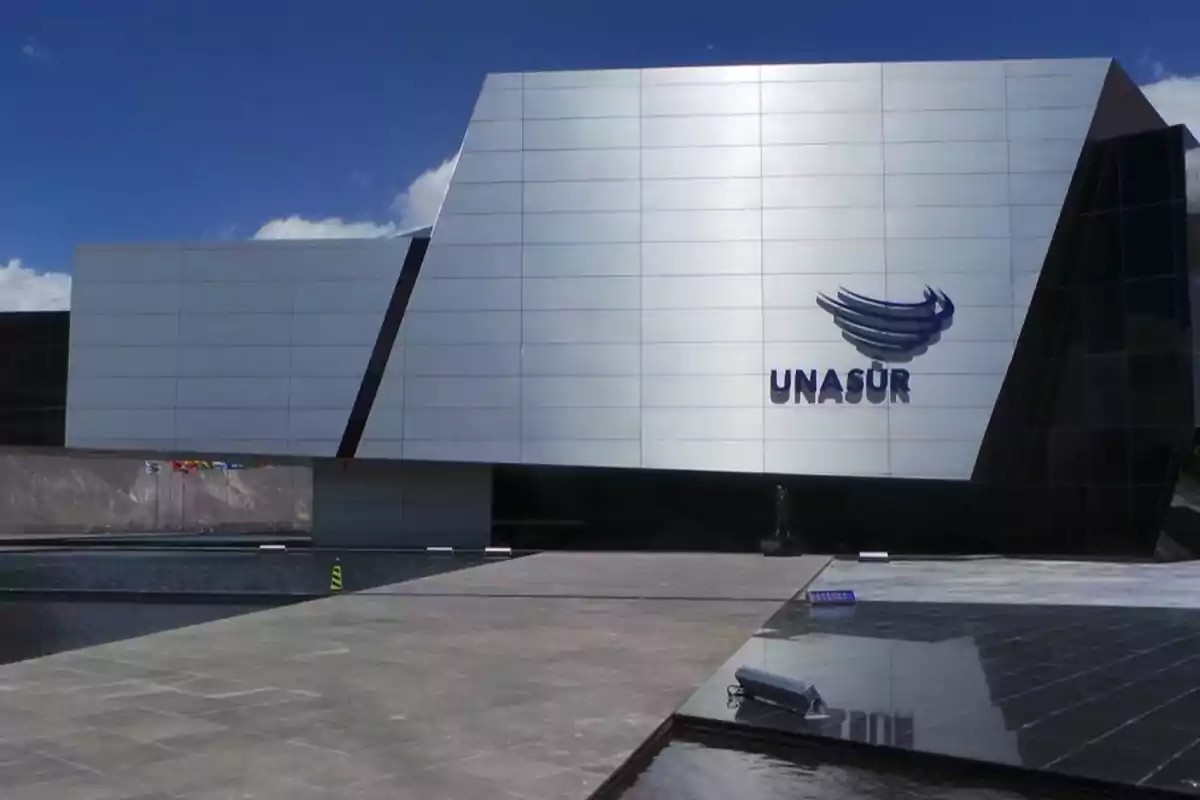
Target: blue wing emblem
(888,331)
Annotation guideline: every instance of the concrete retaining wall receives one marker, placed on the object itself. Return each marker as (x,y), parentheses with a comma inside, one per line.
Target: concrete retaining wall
(73,495)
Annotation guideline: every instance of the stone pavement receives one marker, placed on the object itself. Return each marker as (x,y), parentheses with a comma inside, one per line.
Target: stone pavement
(993,580)
(526,679)
(689,576)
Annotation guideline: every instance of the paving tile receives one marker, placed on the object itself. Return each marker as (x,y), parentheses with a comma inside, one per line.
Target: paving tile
(89,664)
(433,697)
(10,752)
(567,784)
(699,575)
(508,769)
(145,725)
(256,787)
(1180,775)
(19,728)
(217,768)
(101,750)
(264,719)
(360,736)
(37,768)
(1108,763)
(67,704)
(89,786)
(180,702)
(439,781)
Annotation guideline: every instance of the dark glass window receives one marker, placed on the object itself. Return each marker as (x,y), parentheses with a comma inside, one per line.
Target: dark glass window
(1150,248)
(1072,332)
(1109,457)
(1106,391)
(1153,308)
(1109,515)
(1159,390)
(1104,313)
(1100,248)
(1039,333)
(1069,409)
(1151,451)
(1067,458)
(1103,372)
(33,378)
(1067,516)
(1149,504)
(1099,189)
(1145,163)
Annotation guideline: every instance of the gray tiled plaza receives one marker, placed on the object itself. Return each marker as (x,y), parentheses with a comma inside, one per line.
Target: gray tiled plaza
(624,576)
(993,580)
(478,688)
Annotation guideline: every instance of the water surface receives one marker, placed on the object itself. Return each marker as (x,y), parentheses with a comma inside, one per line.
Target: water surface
(37,627)
(707,770)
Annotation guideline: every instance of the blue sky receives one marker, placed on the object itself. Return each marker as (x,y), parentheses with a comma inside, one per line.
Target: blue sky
(128,120)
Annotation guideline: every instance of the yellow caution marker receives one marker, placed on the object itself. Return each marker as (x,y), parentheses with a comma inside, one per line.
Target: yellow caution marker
(335,578)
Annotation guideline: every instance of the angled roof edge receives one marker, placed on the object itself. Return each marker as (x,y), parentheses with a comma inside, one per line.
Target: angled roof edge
(423,232)
(1123,108)
(721,65)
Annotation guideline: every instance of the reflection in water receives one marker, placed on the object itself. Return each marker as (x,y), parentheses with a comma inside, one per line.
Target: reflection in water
(691,770)
(32,628)
(931,696)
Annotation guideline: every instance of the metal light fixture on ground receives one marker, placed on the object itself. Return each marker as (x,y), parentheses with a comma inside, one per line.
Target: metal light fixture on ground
(777,690)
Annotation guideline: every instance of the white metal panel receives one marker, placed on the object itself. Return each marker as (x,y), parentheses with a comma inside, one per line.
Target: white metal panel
(822,96)
(580,359)
(701,258)
(722,456)
(493,135)
(689,100)
(584,391)
(701,193)
(622,260)
(580,326)
(588,453)
(703,424)
(583,293)
(707,291)
(580,260)
(701,162)
(830,256)
(108,329)
(702,359)
(702,325)
(701,131)
(253,331)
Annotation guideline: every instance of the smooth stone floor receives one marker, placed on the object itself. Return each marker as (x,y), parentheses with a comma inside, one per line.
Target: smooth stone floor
(685,576)
(1088,691)
(475,690)
(1174,585)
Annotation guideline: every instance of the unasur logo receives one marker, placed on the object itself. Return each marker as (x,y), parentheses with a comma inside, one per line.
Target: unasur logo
(888,331)
(883,331)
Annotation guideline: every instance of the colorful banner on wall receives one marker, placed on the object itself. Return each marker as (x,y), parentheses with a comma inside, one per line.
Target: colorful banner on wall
(190,465)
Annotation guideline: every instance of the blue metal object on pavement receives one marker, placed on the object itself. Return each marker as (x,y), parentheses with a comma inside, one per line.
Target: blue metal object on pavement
(832,597)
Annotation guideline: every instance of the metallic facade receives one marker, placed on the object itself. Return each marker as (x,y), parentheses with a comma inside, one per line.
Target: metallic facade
(257,347)
(623,259)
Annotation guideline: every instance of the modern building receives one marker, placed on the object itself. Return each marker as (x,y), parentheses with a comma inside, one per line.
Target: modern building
(946,304)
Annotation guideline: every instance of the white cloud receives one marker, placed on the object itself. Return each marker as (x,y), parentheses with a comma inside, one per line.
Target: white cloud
(332,228)
(1177,99)
(419,204)
(25,289)
(415,207)
(34,50)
